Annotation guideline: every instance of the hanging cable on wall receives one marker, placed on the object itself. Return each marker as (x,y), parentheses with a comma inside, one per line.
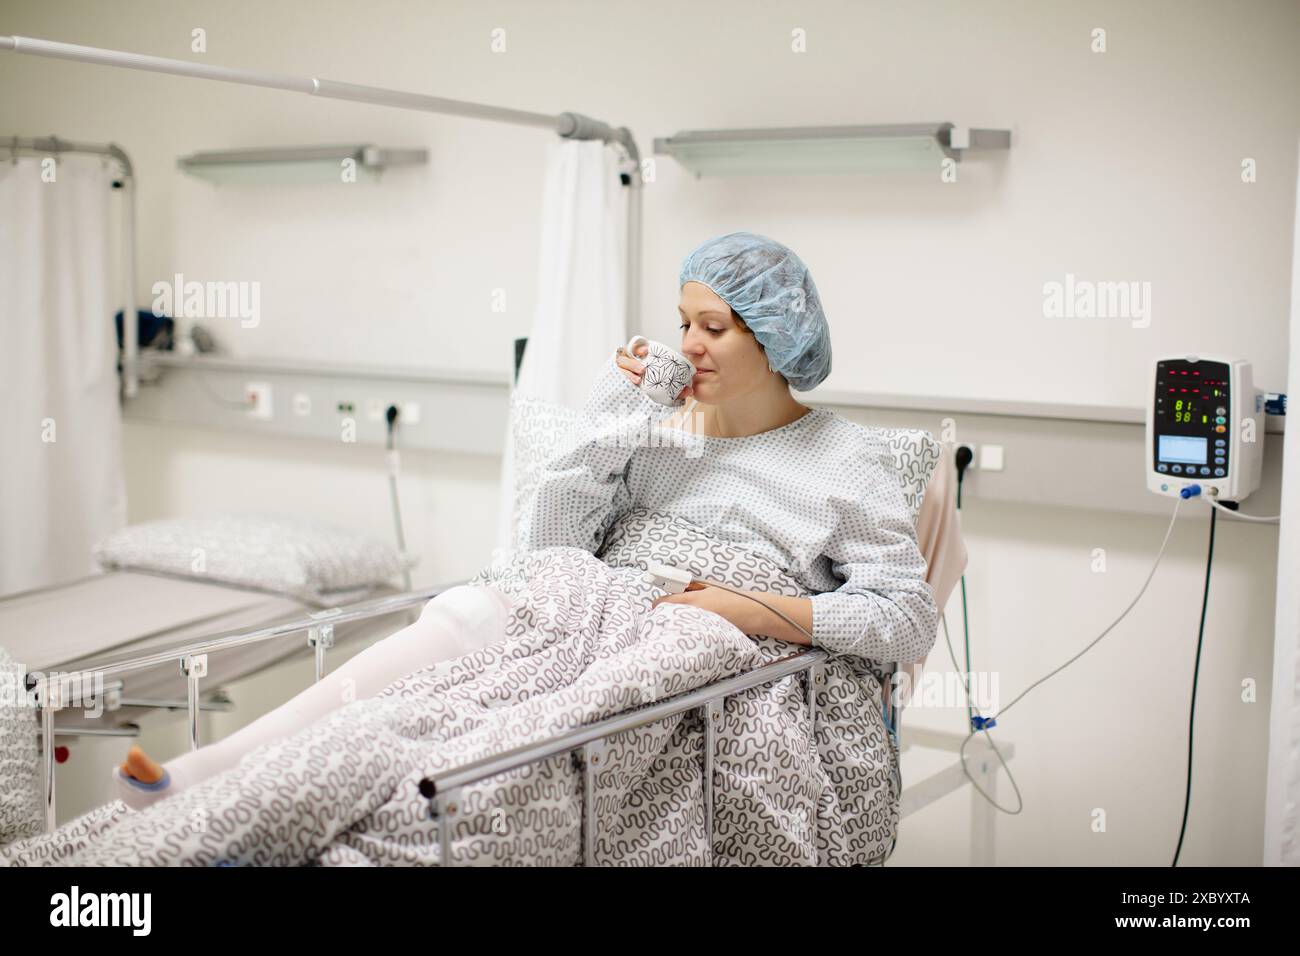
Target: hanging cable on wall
(394,464)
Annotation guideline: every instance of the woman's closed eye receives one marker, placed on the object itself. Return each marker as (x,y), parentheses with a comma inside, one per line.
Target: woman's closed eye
(687,325)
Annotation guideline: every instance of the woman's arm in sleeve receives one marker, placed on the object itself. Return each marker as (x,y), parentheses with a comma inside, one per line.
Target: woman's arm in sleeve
(582,489)
(884,611)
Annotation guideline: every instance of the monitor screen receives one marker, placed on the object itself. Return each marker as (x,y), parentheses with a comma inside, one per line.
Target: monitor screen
(1183,449)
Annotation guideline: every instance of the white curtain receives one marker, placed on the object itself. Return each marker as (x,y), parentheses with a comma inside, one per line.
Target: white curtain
(581,312)
(61,485)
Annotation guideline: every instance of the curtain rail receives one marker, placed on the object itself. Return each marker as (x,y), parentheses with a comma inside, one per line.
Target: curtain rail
(568,125)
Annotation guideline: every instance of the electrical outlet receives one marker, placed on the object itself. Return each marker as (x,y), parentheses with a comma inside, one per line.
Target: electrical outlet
(375,409)
(259,399)
(974,453)
(302,404)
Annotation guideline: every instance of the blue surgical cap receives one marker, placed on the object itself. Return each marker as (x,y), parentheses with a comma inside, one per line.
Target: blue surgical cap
(771,289)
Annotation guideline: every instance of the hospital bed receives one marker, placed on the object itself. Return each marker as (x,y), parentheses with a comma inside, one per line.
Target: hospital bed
(200,662)
(148,636)
(203,634)
(88,624)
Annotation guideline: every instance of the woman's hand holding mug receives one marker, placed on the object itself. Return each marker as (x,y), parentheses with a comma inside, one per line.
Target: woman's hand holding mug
(633,369)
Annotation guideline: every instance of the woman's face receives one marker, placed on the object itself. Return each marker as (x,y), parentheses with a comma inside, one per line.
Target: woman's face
(727,358)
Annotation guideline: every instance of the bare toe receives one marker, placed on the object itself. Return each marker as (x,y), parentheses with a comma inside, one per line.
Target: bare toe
(139,766)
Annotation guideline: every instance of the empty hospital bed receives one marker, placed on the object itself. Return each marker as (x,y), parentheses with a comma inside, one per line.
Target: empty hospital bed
(93,622)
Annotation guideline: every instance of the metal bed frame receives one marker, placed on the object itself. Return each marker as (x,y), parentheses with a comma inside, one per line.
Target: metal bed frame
(587,744)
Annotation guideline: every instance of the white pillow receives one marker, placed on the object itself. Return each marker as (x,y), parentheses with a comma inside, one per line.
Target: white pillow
(292,556)
(915,455)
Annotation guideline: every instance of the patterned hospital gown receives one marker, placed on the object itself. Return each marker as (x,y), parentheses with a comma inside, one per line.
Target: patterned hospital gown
(819,496)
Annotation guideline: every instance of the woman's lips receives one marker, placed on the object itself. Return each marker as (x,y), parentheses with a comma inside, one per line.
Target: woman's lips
(702,371)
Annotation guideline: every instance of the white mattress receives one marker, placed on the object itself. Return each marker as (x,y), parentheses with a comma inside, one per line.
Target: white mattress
(108,617)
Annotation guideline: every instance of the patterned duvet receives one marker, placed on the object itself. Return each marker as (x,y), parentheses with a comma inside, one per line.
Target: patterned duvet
(582,644)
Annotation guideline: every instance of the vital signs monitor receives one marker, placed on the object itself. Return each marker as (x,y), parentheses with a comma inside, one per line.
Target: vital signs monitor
(1204,427)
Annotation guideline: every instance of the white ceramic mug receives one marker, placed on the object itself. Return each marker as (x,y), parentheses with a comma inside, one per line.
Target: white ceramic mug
(666,373)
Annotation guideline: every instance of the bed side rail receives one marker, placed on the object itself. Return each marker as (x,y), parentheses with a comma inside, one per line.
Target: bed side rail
(55,691)
(586,744)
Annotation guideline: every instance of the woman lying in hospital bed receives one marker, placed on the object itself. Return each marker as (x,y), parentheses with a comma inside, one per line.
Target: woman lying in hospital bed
(807,501)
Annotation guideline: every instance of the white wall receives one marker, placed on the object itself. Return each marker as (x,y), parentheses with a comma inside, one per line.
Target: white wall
(444,496)
(1110,732)
(1124,165)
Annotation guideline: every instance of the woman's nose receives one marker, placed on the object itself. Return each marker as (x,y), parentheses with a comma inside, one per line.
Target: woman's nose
(691,344)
